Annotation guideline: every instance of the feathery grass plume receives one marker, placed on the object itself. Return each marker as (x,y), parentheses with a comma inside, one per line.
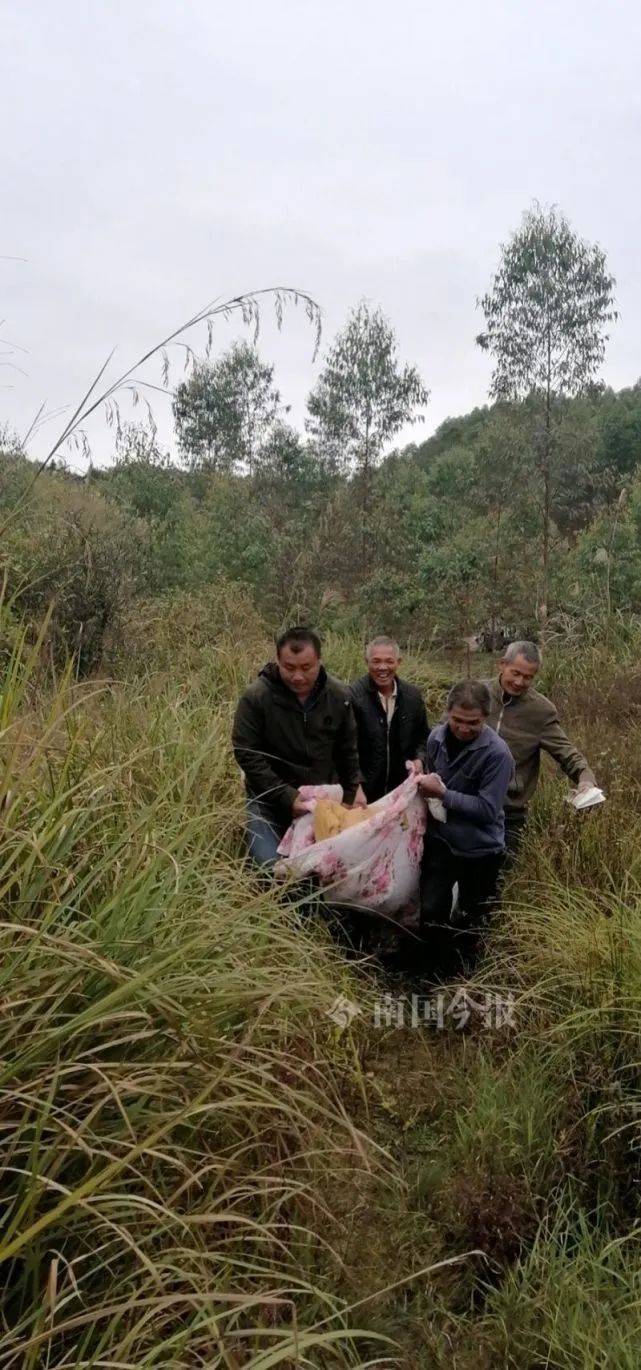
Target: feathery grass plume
(246,306)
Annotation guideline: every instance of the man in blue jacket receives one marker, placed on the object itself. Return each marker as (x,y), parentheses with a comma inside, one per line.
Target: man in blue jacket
(469,770)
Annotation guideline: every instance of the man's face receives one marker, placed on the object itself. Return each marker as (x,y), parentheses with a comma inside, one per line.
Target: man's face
(299,669)
(382,664)
(517,676)
(466,724)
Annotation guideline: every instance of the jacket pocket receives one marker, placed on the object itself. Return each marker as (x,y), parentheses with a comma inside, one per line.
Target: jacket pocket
(466,777)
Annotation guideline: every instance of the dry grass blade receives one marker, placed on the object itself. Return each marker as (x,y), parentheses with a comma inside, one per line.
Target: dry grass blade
(247,305)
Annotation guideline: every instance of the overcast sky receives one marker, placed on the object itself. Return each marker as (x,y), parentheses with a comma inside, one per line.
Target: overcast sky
(156,155)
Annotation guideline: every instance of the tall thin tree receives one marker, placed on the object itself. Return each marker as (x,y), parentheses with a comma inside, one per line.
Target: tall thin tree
(362,399)
(224,412)
(546,319)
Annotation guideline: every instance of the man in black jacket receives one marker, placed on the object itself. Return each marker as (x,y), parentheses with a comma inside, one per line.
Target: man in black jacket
(294,726)
(391,721)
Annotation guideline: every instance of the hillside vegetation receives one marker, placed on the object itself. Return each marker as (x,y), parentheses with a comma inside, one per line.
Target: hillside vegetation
(452,532)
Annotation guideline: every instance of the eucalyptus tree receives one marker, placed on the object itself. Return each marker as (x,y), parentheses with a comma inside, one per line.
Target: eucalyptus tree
(547,314)
(363,398)
(224,411)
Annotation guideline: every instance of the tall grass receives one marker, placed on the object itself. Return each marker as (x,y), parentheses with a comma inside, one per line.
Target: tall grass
(573,1303)
(198,1167)
(168,1108)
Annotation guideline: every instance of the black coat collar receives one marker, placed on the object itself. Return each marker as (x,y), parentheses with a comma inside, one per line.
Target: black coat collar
(371,685)
(282,693)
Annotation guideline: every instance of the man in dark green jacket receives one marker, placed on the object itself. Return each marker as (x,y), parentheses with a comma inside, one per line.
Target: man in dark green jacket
(529,723)
(294,726)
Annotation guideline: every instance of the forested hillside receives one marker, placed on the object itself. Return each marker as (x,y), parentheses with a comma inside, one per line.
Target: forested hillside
(523,516)
(448,546)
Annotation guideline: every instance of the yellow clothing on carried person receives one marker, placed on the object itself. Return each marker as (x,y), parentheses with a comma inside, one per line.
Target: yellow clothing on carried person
(330,818)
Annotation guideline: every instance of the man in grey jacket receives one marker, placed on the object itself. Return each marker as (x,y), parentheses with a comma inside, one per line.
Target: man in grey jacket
(469,769)
(529,723)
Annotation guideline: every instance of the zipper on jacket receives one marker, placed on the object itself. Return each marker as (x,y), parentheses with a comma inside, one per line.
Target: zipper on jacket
(305,713)
(305,736)
(504,705)
(387,732)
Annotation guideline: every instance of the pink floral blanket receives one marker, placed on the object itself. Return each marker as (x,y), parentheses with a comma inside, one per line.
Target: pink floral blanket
(375,864)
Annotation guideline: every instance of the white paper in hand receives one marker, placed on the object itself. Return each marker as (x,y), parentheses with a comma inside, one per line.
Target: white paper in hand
(437,809)
(586,799)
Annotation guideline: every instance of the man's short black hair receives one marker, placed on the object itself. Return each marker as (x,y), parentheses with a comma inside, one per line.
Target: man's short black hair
(298,638)
(469,694)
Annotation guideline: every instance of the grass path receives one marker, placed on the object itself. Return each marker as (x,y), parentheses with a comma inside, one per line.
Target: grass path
(199,1168)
